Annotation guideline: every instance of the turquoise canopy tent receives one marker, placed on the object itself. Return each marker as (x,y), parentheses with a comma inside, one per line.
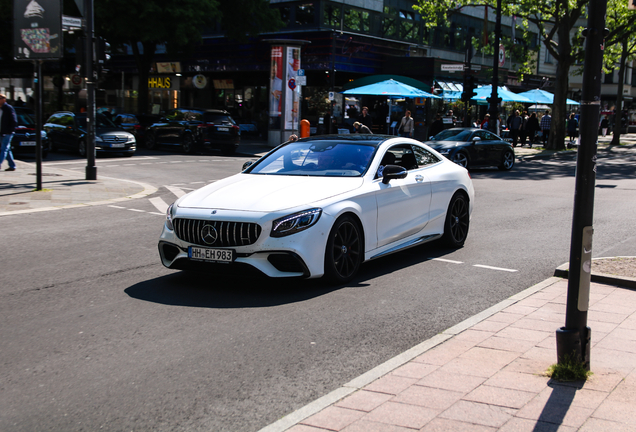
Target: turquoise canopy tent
(538,96)
(484,92)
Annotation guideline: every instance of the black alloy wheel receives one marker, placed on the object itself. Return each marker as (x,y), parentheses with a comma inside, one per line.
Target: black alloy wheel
(151,141)
(507,160)
(461,159)
(344,252)
(187,143)
(457,221)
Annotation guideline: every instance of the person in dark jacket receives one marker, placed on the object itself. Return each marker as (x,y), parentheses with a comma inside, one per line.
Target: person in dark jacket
(532,128)
(437,126)
(8,123)
(365,118)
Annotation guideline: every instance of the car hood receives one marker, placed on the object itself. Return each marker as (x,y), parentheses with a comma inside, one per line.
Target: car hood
(267,193)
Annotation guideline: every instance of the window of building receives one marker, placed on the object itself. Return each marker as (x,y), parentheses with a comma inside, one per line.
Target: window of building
(609,78)
(356,20)
(305,14)
(331,17)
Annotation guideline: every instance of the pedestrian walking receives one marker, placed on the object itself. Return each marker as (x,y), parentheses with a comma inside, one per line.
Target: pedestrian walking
(523,134)
(604,125)
(573,126)
(406,125)
(532,128)
(437,126)
(546,124)
(485,121)
(365,118)
(515,127)
(8,123)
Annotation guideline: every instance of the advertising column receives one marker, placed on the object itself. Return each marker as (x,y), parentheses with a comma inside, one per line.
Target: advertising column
(284,90)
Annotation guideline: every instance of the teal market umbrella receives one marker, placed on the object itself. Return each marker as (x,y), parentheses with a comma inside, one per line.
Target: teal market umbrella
(484,92)
(538,96)
(390,88)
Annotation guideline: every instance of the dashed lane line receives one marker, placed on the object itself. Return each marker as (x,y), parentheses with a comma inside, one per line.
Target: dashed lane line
(446,260)
(495,268)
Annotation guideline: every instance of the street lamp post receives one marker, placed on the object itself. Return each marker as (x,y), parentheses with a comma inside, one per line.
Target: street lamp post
(494,99)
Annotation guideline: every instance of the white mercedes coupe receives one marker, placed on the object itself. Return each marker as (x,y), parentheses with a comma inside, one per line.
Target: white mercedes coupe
(320,206)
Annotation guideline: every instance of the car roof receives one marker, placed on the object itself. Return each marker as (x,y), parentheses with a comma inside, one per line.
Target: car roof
(366,139)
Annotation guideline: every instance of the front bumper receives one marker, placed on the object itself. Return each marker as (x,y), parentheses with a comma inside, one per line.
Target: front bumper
(298,255)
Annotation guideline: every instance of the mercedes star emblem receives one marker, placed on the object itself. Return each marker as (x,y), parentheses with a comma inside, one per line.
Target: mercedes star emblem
(209,234)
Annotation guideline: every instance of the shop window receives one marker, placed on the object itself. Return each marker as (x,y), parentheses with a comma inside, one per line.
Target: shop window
(305,14)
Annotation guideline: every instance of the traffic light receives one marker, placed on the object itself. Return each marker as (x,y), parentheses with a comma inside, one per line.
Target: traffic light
(103,54)
(469,88)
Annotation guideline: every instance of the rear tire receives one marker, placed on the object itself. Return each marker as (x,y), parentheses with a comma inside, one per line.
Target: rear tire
(151,141)
(457,221)
(187,144)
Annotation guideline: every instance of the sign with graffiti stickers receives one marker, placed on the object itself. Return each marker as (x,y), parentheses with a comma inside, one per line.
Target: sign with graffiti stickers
(37,30)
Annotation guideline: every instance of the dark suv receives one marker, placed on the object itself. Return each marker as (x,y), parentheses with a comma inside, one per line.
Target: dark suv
(24,140)
(67,130)
(192,129)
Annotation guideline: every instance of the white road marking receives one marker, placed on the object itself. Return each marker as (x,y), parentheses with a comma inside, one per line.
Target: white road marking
(495,268)
(177,191)
(136,210)
(446,260)
(159,204)
(118,207)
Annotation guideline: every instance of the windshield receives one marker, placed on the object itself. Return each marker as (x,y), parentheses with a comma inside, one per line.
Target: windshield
(25,120)
(453,135)
(316,158)
(100,121)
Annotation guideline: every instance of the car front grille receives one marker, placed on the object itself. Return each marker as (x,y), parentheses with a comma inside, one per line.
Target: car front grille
(115,138)
(224,234)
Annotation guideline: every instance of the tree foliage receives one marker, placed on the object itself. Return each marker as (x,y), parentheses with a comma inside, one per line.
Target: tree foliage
(555,22)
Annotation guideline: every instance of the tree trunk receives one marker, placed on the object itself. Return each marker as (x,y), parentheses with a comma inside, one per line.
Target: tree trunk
(556,140)
(616,137)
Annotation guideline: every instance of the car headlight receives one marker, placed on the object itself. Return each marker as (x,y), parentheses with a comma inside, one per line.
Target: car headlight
(131,139)
(445,151)
(169,216)
(293,223)
(43,134)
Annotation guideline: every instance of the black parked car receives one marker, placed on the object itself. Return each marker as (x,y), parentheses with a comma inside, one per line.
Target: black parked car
(472,147)
(193,129)
(67,130)
(24,140)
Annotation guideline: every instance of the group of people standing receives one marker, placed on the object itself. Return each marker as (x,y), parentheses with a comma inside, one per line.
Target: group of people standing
(364,124)
(524,127)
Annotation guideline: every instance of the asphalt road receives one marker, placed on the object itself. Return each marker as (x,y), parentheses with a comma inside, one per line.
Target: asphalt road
(97,334)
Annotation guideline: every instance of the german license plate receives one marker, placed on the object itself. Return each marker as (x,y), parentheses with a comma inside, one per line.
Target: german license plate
(211,255)
(117,145)
(27,143)
(223,129)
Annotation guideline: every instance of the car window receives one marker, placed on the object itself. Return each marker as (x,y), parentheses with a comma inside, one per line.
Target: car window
(215,118)
(66,120)
(101,121)
(25,119)
(314,158)
(402,155)
(452,135)
(424,157)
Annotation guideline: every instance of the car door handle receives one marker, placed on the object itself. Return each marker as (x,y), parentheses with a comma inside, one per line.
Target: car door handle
(419,178)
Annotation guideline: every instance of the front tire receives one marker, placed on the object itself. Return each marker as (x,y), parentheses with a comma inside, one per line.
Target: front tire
(461,159)
(345,251)
(507,161)
(457,221)
(187,144)
(151,141)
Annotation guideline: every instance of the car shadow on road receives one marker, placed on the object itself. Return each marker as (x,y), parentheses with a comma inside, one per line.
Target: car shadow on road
(195,289)
(221,291)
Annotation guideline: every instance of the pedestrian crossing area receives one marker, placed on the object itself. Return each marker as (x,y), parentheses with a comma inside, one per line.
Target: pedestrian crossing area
(158,203)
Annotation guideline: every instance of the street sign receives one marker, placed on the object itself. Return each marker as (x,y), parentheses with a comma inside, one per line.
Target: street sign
(291,83)
(71,23)
(332,95)
(301,80)
(453,67)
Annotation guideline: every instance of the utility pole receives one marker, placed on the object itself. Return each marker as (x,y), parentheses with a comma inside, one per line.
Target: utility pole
(573,340)
(91,169)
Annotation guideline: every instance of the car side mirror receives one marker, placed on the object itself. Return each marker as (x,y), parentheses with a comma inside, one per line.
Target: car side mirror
(392,172)
(246,165)
(475,139)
